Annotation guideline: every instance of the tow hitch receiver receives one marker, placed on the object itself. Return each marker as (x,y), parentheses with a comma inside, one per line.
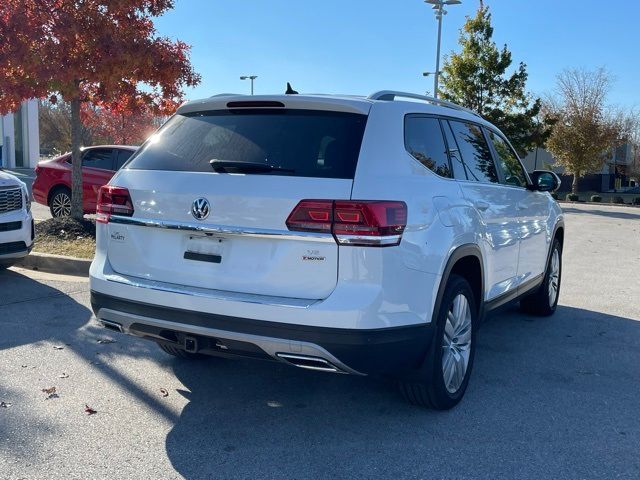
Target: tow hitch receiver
(191,344)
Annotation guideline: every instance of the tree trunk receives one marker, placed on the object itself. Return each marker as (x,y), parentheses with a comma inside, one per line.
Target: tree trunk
(574,185)
(76,161)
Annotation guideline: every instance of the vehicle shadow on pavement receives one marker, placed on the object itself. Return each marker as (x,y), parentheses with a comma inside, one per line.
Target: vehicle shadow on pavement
(59,335)
(550,397)
(23,298)
(633,214)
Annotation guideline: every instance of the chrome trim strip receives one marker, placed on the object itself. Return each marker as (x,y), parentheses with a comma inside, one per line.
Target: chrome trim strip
(272,346)
(389,240)
(210,229)
(327,366)
(209,293)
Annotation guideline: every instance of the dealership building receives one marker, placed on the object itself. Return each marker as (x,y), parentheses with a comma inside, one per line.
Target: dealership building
(20,137)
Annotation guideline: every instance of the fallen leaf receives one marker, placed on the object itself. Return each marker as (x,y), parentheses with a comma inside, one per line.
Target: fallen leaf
(88,410)
(49,390)
(58,347)
(63,375)
(4,405)
(106,340)
(164,392)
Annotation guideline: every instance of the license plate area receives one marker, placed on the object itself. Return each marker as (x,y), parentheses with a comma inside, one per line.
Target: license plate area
(202,248)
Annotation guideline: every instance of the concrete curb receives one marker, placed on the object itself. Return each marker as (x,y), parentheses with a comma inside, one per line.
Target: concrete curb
(605,204)
(59,264)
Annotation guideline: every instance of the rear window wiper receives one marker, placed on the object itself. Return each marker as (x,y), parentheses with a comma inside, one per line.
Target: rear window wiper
(234,166)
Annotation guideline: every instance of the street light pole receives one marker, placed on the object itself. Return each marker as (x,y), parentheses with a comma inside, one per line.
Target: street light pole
(249,77)
(438,7)
(436,76)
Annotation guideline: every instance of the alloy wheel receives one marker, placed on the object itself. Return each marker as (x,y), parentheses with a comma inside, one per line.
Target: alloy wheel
(554,277)
(61,205)
(456,344)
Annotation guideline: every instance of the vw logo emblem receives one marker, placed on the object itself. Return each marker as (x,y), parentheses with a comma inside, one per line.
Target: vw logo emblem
(200,208)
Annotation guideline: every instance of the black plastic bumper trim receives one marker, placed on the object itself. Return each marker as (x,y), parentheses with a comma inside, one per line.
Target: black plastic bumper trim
(10,226)
(385,350)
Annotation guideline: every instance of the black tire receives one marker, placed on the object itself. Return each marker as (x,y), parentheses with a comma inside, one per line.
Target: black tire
(431,391)
(180,352)
(539,302)
(58,200)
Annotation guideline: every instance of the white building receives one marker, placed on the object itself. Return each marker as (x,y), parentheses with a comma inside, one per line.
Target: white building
(20,137)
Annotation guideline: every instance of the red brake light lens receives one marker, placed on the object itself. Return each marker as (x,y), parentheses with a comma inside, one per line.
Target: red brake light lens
(311,216)
(369,218)
(113,201)
(359,222)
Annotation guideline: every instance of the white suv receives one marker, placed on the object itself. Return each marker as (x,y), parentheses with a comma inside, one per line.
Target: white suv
(16,222)
(342,234)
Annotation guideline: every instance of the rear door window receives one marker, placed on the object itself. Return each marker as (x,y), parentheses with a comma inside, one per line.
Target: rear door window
(98,158)
(303,143)
(459,171)
(424,141)
(507,159)
(475,152)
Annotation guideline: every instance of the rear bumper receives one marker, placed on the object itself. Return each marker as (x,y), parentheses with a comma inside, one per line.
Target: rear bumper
(40,192)
(385,351)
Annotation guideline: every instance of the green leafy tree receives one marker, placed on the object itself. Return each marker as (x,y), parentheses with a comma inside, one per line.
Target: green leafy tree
(477,78)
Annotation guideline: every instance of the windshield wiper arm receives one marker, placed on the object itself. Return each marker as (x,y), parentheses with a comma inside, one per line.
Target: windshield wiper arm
(234,166)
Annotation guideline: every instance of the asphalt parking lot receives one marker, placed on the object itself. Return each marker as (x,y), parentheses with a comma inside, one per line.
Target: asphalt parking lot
(553,398)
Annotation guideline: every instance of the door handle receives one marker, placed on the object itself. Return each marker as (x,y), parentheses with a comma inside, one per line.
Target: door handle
(481,205)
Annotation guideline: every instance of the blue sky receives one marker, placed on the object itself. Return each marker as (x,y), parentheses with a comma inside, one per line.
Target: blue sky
(359,46)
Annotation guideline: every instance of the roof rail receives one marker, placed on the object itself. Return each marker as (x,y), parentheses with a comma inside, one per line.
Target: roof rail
(391,95)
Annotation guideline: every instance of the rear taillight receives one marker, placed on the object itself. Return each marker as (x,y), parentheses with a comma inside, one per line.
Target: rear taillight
(311,216)
(352,222)
(113,201)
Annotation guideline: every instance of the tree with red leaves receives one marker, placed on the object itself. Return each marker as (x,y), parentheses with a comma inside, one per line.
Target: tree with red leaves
(120,127)
(106,52)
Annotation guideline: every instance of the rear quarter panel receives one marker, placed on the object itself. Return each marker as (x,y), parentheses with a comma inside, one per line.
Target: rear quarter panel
(50,174)
(436,222)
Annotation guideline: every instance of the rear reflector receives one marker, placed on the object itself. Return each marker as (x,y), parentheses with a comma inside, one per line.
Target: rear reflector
(113,201)
(352,222)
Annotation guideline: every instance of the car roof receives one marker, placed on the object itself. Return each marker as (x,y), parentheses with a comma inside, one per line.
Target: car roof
(344,103)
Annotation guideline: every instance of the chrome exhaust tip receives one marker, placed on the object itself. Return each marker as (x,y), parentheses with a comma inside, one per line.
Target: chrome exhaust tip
(115,326)
(309,362)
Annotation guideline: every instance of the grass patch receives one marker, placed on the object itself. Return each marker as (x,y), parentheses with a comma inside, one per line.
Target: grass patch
(66,236)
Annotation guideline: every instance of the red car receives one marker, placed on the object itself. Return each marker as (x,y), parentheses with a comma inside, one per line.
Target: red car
(52,186)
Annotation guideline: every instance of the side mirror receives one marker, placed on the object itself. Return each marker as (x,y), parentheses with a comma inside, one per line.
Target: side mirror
(544,181)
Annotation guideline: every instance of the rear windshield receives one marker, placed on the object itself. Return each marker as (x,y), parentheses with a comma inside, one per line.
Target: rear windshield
(301,143)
